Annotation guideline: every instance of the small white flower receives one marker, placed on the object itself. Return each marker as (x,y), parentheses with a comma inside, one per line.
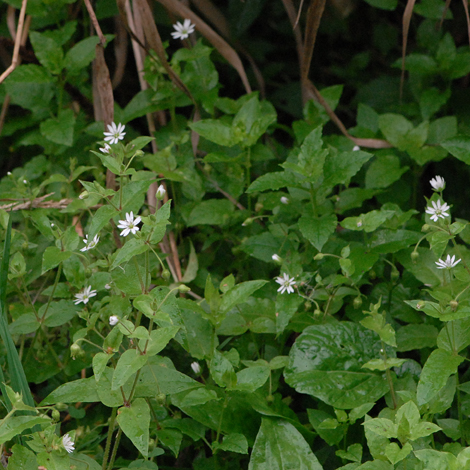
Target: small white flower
(107,287)
(115,134)
(68,443)
(113,320)
(286,283)
(25,182)
(84,296)
(182,31)
(129,225)
(9,173)
(359,224)
(277,258)
(106,147)
(438,183)
(90,244)
(196,367)
(356,148)
(448,263)
(438,210)
(160,192)
(285,200)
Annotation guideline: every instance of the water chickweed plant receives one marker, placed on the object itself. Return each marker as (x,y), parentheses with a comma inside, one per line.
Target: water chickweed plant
(196,275)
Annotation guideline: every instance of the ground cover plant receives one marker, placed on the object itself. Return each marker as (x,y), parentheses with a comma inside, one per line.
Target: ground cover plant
(234,235)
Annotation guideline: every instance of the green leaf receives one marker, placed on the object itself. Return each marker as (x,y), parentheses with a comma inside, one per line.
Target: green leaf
(459,147)
(331,436)
(199,397)
(383,4)
(326,362)
(436,459)
(410,337)
(367,222)
(22,458)
(48,52)
(252,378)
(17,424)
(239,294)
(216,131)
(354,453)
(159,339)
(192,267)
(279,445)
(384,171)
(383,427)
(59,130)
(133,247)
(317,230)
(100,360)
(274,181)
(134,422)
(233,443)
(81,54)
(286,306)
(100,219)
(211,212)
(52,257)
(459,331)
(129,363)
(395,454)
(439,366)
(222,371)
(83,390)
(58,313)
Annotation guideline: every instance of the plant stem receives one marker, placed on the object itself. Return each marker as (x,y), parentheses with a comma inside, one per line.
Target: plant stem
(115,448)
(109,438)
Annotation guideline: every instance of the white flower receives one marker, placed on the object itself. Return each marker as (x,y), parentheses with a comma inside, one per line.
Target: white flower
(437,210)
(107,287)
(68,443)
(196,367)
(115,134)
(90,244)
(113,320)
(106,147)
(160,192)
(25,182)
(182,31)
(276,258)
(438,183)
(448,263)
(129,225)
(286,284)
(285,200)
(9,173)
(356,148)
(84,296)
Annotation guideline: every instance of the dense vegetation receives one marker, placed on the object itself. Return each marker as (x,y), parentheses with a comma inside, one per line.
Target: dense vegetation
(235,245)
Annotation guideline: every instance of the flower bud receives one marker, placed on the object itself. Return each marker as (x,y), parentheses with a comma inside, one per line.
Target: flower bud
(55,416)
(61,406)
(166,274)
(113,320)
(75,350)
(276,258)
(248,221)
(308,305)
(258,207)
(357,302)
(425,228)
(161,398)
(372,274)
(183,288)
(285,200)
(196,367)
(84,195)
(414,257)
(318,256)
(395,274)
(160,192)
(317,312)
(453,305)
(269,398)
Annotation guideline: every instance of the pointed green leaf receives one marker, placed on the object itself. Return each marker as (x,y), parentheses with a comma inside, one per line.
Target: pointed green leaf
(134,422)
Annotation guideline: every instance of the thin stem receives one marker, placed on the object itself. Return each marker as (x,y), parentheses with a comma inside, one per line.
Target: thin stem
(109,438)
(115,448)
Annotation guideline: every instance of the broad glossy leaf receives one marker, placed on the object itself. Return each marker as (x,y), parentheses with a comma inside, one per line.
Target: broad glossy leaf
(17,424)
(252,378)
(439,366)
(129,363)
(83,390)
(286,306)
(326,362)
(419,336)
(280,446)
(317,230)
(455,336)
(134,422)
(239,294)
(233,443)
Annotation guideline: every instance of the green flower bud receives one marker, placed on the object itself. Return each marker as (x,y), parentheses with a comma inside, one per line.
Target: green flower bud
(183,288)
(248,221)
(395,274)
(308,305)
(453,305)
(55,416)
(318,256)
(61,406)
(414,257)
(75,350)
(161,398)
(166,274)
(258,207)
(84,195)
(317,312)
(425,228)
(372,274)
(269,398)
(357,302)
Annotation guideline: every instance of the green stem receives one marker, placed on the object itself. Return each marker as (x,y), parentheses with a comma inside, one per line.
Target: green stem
(56,281)
(109,438)
(459,407)
(115,448)
(219,427)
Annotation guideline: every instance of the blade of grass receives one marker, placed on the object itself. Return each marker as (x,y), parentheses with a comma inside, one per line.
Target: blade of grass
(15,368)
